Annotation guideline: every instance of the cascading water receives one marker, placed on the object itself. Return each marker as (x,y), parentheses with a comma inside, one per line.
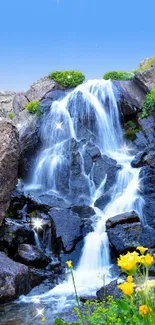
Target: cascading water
(93,107)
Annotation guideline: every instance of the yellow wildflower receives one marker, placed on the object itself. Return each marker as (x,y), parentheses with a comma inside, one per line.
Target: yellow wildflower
(43,319)
(128,261)
(127,288)
(148,260)
(130,279)
(142,249)
(144,310)
(69,264)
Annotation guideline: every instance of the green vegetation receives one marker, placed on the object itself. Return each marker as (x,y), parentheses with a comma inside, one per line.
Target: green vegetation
(131,129)
(136,305)
(147,64)
(149,104)
(12,115)
(67,79)
(118,75)
(34,107)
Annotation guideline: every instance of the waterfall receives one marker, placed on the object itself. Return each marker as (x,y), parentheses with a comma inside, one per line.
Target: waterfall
(91,107)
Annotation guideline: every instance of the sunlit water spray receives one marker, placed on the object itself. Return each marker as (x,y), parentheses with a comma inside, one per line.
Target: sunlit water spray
(92,103)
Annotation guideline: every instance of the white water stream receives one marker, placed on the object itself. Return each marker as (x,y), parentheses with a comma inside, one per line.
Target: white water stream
(99,108)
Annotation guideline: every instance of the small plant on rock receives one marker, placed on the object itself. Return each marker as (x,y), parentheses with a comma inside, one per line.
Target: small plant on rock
(12,115)
(118,75)
(149,104)
(34,107)
(68,79)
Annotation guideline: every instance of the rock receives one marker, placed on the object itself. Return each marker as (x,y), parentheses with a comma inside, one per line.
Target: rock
(37,276)
(103,200)
(6,99)
(84,212)
(147,183)
(14,279)
(19,103)
(130,97)
(128,217)
(66,229)
(28,127)
(31,255)
(148,128)
(40,88)
(9,159)
(126,237)
(145,79)
(109,290)
(14,233)
(138,160)
(105,167)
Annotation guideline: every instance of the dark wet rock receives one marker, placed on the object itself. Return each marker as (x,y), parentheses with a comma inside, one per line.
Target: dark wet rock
(145,79)
(140,141)
(103,201)
(13,234)
(148,127)
(19,103)
(147,183)
(128,217)
(126,237)
(84,212)
(54,201)
(74,255)
(45,105)
(9,159)
(130,98)
(31,255)
(66,229)
(109,290)
(37,276)
(105,167)
(91,153)
(14,279)
(138,160)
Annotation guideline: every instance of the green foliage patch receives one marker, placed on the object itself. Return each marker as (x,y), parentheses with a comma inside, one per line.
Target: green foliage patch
(12,115)
(118,75)
(131,129)
(34,107)
(67,79)
(149,104)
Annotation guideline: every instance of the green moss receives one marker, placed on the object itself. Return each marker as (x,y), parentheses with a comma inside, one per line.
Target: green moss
(67,79)
(131,128)
(118,75)
(149,104)
(34,107)
(147,64)
(12,115)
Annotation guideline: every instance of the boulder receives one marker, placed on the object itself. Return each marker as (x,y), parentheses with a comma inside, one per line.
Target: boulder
(130,97)
(31,255)
(145,79)
(9,159)
(14,233)
(66,229)
(6,99)
(147,177)
(19,102)
(14,279)
(40,88)
(126,237)
(37,276)
(138,159)
(110,289)
(105,167)
(128,217)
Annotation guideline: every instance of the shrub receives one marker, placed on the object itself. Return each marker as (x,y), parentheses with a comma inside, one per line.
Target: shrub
(34,107)
(11,115)
(68,79)
(118,75)
(149,104)
(131,128)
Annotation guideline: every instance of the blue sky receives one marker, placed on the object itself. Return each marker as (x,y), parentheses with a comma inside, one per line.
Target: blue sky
(93,36)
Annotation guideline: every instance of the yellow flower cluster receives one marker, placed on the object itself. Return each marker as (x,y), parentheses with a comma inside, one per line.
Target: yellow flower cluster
(129,261)
(144,310)
(127,287)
